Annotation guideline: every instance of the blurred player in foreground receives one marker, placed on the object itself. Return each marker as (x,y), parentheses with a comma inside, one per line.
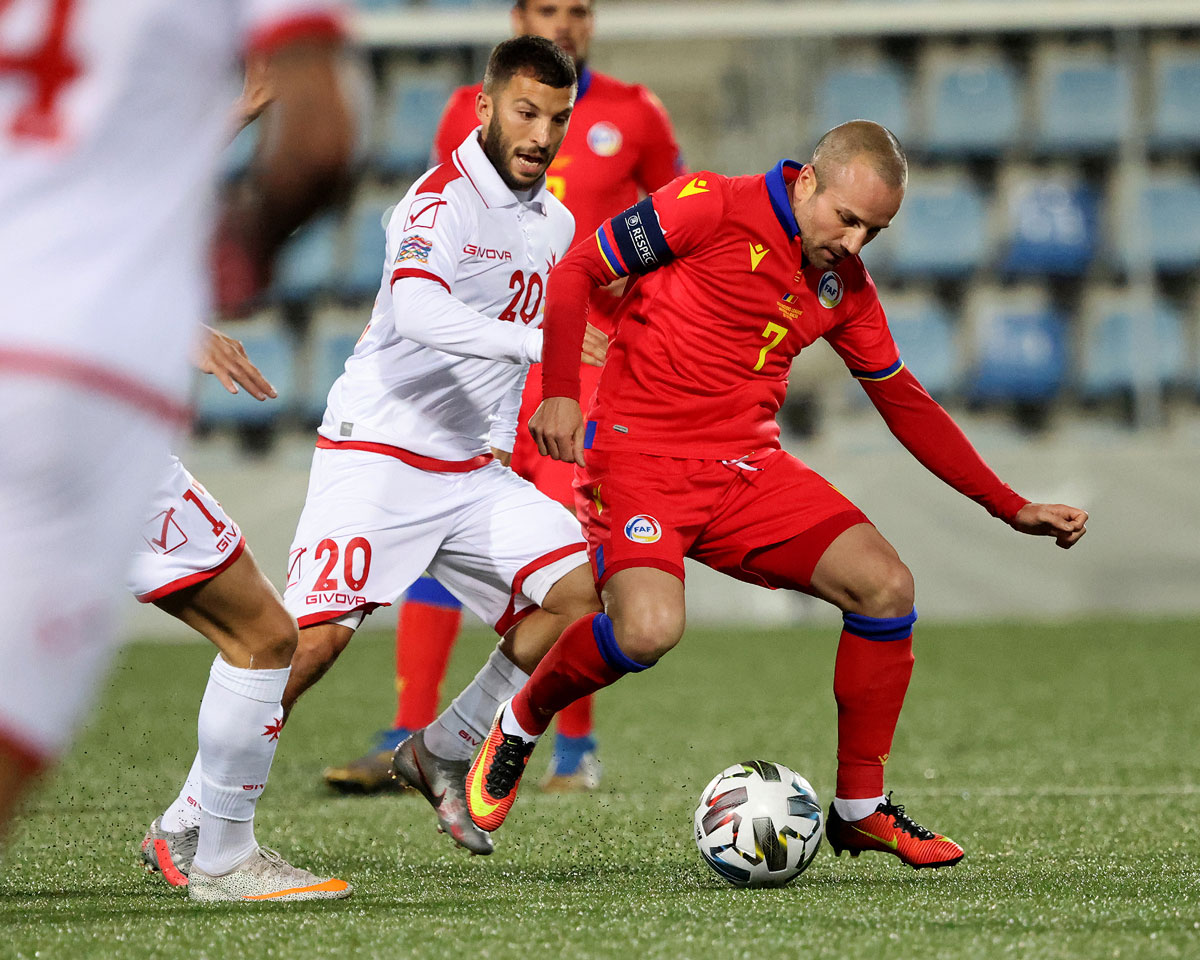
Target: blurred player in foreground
(410,469)
(620,146)
(680,455)
(193,563)
(112,117)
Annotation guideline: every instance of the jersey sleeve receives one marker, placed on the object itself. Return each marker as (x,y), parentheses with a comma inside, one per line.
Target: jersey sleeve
(268,25)
(670,223)
(659,160)
(503,432)
(458,119)
(862,339)
(424,236)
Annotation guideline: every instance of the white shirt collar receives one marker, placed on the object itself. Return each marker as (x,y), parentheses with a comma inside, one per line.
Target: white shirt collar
(470,158)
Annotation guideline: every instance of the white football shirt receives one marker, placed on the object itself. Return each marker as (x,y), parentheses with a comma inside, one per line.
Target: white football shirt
(112,117)
(440,368)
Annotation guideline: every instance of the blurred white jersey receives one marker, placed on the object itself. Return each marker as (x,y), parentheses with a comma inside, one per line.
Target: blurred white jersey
(440,368)
(112,118)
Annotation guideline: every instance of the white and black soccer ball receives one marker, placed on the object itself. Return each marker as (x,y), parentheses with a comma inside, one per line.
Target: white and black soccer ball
(759,824)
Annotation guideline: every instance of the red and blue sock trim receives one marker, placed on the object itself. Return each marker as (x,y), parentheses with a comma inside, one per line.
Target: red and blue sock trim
(606,642)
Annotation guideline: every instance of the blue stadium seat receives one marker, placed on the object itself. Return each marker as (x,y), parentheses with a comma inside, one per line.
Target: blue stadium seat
(876,92)
(1170,207)
(1084,104)
(412,108)
(973,106)
(1112,341)
(1051,225)
(924,332)
(940,231)
(307,264)
(1176,120)
(1020,355)
(329,349)
(361,277)
(272,350)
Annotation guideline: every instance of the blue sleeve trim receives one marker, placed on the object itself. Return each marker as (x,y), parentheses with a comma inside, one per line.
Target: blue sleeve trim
(880,628)
(606,640)
(589,434)
(429,591)
(640,239)
(883,374)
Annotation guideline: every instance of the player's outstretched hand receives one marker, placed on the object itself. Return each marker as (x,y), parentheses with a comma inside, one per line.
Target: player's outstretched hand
(1065,524)
(225,358)
(557,426)
(595,346)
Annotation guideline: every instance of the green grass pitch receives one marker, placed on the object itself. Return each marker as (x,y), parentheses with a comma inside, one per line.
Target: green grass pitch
(1064,758)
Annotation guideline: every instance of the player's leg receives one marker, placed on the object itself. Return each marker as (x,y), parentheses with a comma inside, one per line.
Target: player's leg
(846,561)
(428,625)
(76,471)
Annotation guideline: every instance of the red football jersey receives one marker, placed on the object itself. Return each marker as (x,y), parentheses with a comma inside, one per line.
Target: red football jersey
(700,365)
(619,144)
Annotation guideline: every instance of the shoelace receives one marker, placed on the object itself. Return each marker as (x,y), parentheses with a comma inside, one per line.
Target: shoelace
(508,765)
(903,821)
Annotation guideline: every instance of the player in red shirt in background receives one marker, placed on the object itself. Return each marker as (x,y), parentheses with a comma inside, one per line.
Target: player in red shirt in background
(619,146)
(680,455)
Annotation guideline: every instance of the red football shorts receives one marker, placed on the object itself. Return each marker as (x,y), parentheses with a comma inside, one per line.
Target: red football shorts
(645,511)
(553,477)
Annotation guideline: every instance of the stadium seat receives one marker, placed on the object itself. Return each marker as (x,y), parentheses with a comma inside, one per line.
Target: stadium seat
(1020,349)
(1115,345)
(330,346)
(971,104)
(1084,101)
(364,269)
(1176,118)
(866,91)
(1170,208)
(941,229)
(272,350)
(307,265)
(1050,223)
(925,335)
(412,108)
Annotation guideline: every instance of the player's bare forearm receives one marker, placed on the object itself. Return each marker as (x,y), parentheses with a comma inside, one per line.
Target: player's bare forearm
(1065,524)
(595,346)
(302,165)
(557,427)
(225,358)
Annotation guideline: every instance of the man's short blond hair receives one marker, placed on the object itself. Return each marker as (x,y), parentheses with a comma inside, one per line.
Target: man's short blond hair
(861,139)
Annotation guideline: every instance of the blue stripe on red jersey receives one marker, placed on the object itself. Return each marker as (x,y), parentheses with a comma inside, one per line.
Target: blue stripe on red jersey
(608,251)
(883,374)
(778,192)
(640,239)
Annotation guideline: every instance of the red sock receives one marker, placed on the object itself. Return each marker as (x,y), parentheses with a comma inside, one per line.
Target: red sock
(425,636)
(585,658)
(870,678)
(575,719)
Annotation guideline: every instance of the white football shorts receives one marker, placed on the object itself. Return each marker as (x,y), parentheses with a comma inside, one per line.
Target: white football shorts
(77,469)
(372,525)
(187,539)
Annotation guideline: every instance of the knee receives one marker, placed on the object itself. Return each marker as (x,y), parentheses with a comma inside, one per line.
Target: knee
(273,641)
(645,634)
(573,596)
(890,593)
(317,648)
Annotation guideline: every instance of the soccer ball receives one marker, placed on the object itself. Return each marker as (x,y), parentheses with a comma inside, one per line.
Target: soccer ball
(759,824)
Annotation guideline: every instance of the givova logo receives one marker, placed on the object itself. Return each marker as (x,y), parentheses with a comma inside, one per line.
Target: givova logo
(643,529)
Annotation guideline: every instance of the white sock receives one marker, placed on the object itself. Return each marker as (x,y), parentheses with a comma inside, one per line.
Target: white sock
(185,811)
(240,719)
(463,725)
(509,725)
(856,809)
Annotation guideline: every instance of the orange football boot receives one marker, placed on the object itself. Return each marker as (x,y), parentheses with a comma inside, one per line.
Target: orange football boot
(890,830)
(495,775)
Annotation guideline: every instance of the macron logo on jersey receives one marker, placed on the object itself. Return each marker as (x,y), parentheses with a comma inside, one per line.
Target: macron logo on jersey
(693,187)
(422,212)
